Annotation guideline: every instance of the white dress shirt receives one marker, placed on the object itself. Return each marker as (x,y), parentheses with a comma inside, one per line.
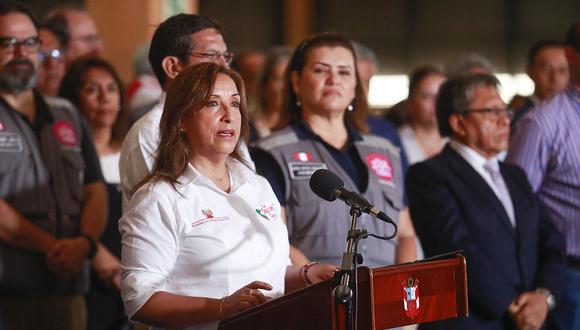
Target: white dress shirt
(201,241)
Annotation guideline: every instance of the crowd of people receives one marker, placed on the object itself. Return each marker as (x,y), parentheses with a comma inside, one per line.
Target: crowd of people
(182,198)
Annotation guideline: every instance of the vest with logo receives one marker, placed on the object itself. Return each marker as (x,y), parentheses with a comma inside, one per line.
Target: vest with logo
(42,178)
(319,228)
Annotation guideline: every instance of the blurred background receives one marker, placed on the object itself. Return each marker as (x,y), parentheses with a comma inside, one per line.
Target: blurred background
(403,33)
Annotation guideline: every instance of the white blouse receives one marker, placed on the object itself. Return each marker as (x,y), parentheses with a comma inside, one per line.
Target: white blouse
(202,241)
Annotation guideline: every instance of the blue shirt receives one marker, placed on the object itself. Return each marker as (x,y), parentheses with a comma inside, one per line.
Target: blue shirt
(546,146)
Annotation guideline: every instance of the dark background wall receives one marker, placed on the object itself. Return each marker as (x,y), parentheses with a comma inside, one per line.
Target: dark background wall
(406,33)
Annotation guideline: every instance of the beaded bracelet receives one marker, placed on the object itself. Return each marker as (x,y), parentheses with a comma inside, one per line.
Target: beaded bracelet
(304,272)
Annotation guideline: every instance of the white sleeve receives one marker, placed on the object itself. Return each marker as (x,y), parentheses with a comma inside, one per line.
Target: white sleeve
(150,239)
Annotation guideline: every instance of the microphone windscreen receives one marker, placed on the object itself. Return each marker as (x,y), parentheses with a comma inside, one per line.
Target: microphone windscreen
(324,184)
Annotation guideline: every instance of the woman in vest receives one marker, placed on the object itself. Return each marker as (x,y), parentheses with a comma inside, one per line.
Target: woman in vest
(202,228)
(323,125)
(94,87)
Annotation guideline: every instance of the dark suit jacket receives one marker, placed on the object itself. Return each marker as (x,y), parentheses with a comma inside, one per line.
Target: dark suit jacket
(453,208)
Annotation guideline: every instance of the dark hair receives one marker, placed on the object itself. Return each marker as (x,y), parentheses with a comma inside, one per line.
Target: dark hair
(74,80)
(420,73)
(358,117)
(573,36)
(13,7)
(173,38)
(456,94)
(274,56)
(190,92)
(539,45)
(58,25)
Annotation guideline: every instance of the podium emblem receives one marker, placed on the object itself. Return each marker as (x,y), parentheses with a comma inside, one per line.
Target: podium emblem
(411,297)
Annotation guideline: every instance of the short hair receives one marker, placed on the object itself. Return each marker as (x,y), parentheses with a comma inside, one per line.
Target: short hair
(463,65)
(74,80)
(189,93)
(364,53)
(573,36)
(58,25)
(539,45)
(357,117)
(13,7)
(173,38)
(420,73)
(456,94)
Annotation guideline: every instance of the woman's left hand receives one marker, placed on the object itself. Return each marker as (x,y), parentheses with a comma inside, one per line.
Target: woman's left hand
(321,272)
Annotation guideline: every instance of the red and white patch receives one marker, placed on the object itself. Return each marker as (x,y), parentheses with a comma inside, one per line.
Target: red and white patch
(381,165)
(65,133)
(303,156)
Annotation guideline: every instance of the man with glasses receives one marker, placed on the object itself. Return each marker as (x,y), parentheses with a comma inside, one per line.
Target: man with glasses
(547,147)
(53,203)
(465,199)
(181,41)
(81,36)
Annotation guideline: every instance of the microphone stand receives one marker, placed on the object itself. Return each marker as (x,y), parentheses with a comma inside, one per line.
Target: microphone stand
(342,292)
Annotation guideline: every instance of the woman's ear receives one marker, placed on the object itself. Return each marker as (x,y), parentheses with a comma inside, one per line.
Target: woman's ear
(172,66)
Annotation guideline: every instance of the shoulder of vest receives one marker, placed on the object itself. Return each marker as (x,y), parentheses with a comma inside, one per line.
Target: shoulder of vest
(380,142)
(61,104)
(277,139)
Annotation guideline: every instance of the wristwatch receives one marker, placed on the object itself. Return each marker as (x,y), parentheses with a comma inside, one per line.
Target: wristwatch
(92,245)
(551,302)
(550,299)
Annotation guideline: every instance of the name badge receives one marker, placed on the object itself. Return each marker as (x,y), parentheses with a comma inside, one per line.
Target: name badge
(10,142)
(303,171)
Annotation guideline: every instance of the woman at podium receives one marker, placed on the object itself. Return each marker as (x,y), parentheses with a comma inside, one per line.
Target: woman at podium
(203,236)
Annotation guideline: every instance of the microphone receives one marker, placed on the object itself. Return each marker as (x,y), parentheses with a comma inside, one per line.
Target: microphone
(329,186)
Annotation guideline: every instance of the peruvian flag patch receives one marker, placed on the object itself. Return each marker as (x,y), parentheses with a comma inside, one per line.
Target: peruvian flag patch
(303,156)
(65,133)
(382,166)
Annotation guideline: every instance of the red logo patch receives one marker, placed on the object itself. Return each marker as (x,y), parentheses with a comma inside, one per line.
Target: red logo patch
(411,303)
(381,165)
(303,156)
(65,133)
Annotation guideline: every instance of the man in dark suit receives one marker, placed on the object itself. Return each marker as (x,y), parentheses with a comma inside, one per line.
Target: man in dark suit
(464,198)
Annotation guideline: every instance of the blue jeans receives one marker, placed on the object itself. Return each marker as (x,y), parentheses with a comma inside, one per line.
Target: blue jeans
(567,313)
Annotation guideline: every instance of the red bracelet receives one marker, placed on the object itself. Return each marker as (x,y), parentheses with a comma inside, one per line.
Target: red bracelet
(304,272)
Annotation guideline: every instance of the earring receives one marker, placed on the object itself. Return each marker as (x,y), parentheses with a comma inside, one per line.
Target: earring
(298,104)
(182,130)
(350,107)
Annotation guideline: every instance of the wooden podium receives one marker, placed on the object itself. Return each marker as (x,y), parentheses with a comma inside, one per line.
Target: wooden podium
(393,296)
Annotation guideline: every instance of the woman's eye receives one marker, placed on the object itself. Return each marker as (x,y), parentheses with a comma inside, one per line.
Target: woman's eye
(236,104)
(213,104)
(344,72)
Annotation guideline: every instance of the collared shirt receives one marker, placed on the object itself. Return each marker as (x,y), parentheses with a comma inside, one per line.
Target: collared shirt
(476,161)
(139,149)
(547,147)
(201,241)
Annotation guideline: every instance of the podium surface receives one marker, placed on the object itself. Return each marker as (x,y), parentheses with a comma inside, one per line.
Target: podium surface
(392,296)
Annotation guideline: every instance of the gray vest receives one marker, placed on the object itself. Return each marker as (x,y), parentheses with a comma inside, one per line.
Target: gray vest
(43,180)
(319,228)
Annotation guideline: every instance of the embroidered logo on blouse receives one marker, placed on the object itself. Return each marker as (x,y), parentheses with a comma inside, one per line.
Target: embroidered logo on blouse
(268,212)
(208,217)
(382,167)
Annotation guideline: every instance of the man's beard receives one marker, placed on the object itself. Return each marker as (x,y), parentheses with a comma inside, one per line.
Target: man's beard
(15,79)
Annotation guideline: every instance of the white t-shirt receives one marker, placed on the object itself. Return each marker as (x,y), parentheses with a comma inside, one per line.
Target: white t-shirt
(202,241)
(110,167)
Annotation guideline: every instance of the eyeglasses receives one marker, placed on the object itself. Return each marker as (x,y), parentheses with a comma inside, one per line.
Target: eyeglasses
(492,113)
(55,54)
(9,44)
(215,57)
